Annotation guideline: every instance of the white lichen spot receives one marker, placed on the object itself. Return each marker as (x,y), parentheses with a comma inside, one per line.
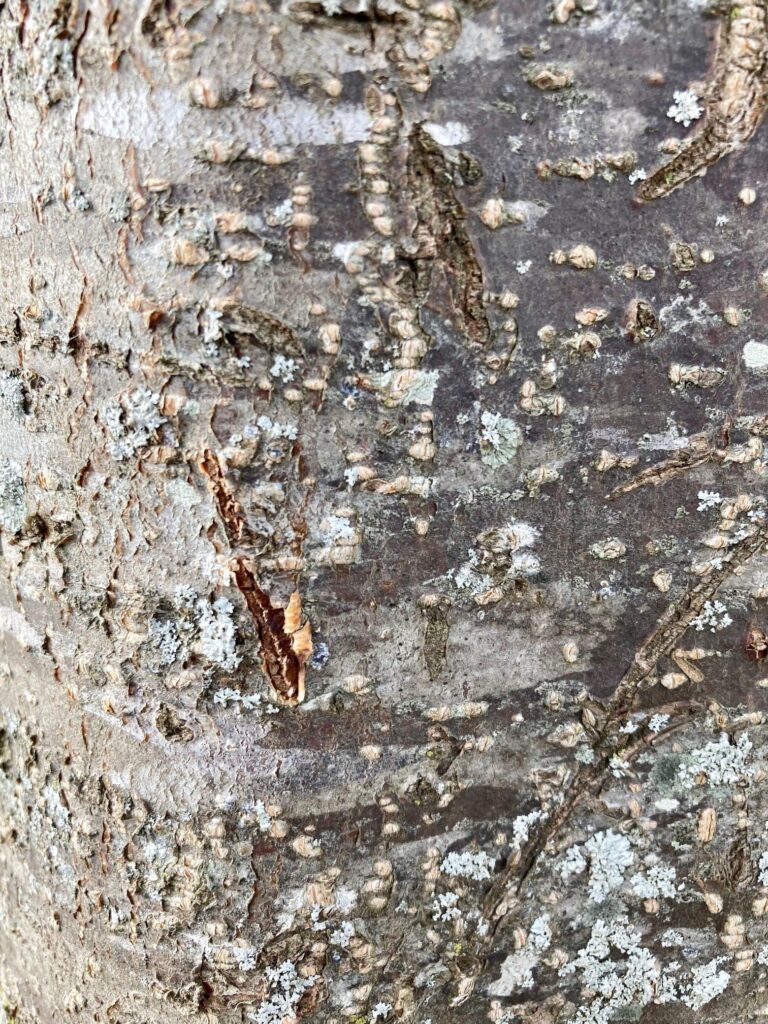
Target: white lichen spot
(476,866)
(262,817)
(286,989)
(132,420)
(469,576)
(609,855)
(656,881)
(165,638)
(755,355)
(226,696)
(269,428)
(245,957)
(686,107)
(452,133)
(708,500)
(380,1011)
(342,935)
(218,636)
(339,541)
(521,827)
(585,754)
(445,907)
(713,616)
(283,368)
(517,969)
(573,863)
(11,393)
(212,329)
(618,970)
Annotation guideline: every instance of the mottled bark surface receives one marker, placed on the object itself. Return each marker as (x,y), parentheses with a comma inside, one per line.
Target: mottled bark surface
(382,506)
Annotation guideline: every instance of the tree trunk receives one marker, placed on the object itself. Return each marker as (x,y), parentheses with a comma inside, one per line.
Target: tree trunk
(382,503)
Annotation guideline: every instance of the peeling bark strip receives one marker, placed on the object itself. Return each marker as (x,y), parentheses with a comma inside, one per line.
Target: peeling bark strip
(286,644)
(735,101)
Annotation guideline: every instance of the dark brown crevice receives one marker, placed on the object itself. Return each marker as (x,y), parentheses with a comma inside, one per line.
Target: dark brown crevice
(442,236)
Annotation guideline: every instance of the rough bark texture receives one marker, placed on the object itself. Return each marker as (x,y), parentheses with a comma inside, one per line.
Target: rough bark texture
(382,504)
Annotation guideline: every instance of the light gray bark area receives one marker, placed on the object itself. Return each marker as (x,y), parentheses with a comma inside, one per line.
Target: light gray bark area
(357,302)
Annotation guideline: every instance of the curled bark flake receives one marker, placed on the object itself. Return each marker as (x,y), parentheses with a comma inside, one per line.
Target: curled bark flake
(286,641)
(735,101)
(285,644)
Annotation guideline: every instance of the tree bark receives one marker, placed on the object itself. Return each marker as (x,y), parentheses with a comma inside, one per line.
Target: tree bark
(382,505)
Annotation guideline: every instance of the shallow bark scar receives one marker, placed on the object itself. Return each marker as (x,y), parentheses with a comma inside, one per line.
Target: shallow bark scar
(588,779)
(735,100)
(443,235)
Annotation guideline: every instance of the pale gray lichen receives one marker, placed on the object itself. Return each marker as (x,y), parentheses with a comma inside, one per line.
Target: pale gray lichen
(708,500)
(656,881)
(132,421)
(614,966)
(12,393)
(517,969)
(218,636)
(245,957)
(609,854)
(284,368)
(13,510)
(269,428)
(708,981)
(445,907)
(723,763)
(521,827)
(342,935)
(226,696)
(499,439)
(262,817)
